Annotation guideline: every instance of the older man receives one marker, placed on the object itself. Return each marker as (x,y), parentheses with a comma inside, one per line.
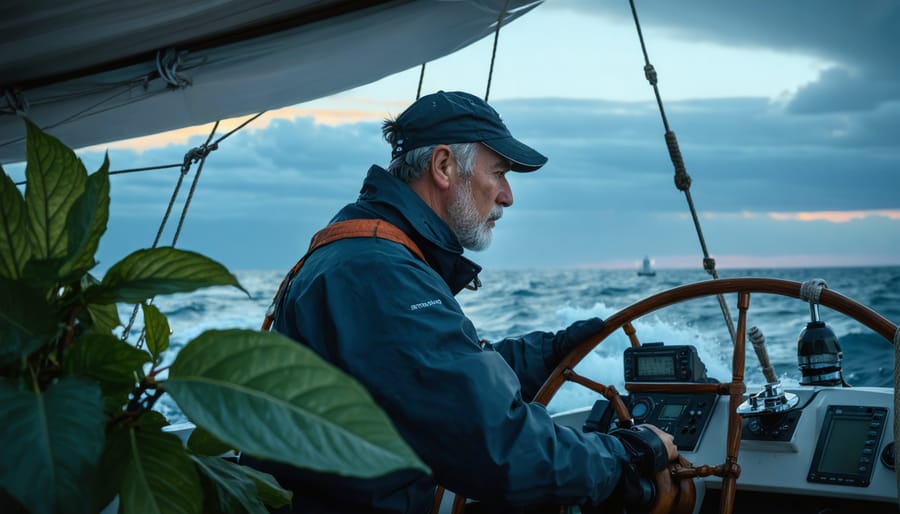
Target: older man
(380,305)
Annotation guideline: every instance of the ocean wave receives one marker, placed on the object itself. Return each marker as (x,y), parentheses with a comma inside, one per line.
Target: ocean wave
(515,302)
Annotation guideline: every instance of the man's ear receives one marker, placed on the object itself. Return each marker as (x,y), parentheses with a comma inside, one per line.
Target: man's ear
(443,166)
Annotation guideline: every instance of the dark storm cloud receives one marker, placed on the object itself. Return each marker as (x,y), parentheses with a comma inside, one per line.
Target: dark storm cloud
(742,154)
(859,37)
(607,192)
(609,178)
(600,151)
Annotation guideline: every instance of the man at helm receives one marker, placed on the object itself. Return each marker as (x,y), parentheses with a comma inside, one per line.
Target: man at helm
(384,311)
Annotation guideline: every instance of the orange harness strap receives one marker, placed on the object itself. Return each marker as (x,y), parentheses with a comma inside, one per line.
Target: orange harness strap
(344,230)
(337,231)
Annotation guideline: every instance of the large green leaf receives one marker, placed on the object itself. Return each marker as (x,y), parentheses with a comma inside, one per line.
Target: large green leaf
(106,359)
(87,222)
(117,455)
(146,273)
(56,179)
(160,477)
(112,465)
(50,443)
(15,247)
(105,317)
(231,491)
(271,397)
(157,327)
(27,320)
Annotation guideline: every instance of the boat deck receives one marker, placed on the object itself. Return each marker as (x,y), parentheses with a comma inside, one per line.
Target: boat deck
(824,454)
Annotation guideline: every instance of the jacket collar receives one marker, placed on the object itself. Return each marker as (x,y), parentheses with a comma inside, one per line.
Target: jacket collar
(384,196)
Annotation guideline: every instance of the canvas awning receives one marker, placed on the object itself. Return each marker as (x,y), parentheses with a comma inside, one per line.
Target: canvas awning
(94,71)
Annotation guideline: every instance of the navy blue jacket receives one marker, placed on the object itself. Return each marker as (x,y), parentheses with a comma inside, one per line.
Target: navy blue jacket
(379,313)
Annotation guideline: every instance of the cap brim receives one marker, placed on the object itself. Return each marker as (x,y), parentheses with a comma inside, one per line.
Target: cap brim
(521,156)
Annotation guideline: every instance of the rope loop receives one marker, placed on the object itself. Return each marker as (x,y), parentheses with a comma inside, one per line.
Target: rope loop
(682,179)
(650,74)
(812,289)
(197,154)
(167,63)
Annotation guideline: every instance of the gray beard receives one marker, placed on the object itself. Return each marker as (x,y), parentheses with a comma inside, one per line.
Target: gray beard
(473,232)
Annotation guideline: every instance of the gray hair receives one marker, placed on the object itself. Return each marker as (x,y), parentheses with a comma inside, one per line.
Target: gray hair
(412,164)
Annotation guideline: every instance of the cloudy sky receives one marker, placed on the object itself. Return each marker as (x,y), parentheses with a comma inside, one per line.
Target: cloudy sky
(787,113)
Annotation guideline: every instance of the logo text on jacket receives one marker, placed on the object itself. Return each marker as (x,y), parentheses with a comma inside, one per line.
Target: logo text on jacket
(429,303)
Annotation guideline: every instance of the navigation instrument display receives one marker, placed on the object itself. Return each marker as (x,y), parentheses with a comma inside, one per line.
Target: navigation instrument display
(655,362)
(848,444)
(655,365)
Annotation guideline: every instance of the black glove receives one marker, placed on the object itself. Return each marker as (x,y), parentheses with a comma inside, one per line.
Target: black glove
(647,456)
(645,449)
(568,338)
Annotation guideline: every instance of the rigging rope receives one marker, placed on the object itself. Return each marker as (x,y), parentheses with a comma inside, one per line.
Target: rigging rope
(128,170)
(194,155)
(167,63)
(487,90)
(682,179)
(421,79)
(89,110)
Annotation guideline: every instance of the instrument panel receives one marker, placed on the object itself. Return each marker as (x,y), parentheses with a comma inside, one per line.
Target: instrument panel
(834,443)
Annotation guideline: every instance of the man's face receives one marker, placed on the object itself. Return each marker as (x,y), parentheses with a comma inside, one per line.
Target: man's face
(479,200)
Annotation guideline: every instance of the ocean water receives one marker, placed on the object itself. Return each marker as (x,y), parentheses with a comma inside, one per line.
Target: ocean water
(513,302)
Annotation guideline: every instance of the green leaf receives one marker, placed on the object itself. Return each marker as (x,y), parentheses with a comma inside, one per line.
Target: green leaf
(112,465)
(117,454)
(276,399)
(160,476)
(86,222)
(27,320)
(106,359)
(229,488)
(56,179)
(15,247)
(204,443)
(267,488)
(105,318)
(157,327)
(146,273)
(50,443)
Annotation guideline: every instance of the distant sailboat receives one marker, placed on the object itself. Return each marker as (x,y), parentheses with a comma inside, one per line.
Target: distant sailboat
(645,270)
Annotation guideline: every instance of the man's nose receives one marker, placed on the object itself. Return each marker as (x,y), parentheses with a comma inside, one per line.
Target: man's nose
(505,198)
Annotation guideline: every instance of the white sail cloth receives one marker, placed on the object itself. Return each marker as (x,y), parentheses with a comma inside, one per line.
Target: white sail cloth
(93,71)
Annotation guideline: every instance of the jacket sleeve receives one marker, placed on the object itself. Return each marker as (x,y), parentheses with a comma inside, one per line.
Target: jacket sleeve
(534,355)
(392,323)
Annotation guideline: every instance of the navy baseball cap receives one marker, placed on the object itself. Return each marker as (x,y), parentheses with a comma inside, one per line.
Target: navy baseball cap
(458,117)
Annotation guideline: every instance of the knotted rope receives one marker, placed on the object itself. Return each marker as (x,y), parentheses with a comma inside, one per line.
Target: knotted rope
(682,179)
(192,156)
(812,289)
(167,63)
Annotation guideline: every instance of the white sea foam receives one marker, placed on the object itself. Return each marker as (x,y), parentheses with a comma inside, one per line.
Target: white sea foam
(515,302)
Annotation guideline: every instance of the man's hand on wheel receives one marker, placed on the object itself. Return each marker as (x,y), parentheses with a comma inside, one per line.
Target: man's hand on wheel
(667,439)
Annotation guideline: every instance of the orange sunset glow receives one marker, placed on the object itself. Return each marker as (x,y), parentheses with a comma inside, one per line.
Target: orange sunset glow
(835,216)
